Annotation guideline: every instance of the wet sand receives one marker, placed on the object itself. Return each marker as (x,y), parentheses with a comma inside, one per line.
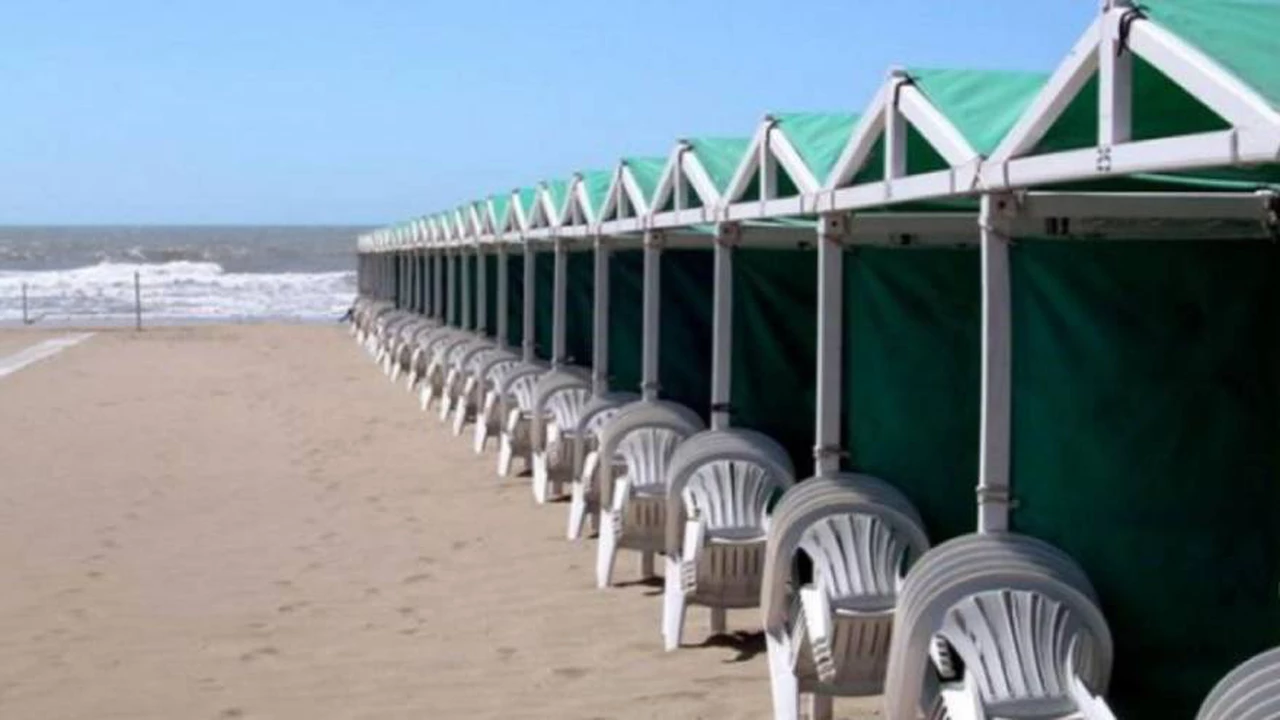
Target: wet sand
(251,522)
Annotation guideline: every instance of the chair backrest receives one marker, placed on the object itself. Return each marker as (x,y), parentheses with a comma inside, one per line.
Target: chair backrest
(1250,692)
(858,560)
(731,496)
(1017,645)
(645,451)
(566,406)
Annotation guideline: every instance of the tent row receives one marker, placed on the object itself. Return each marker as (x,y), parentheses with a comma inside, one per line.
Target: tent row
(1021,328)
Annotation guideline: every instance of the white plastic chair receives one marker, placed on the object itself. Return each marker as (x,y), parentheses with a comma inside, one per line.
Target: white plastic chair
(584,496)
(515,398)
(641,437)
(559,398)
(720,484)
(830,638)
(1250,692)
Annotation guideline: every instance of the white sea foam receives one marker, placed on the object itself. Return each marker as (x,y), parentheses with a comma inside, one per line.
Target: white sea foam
(174,291)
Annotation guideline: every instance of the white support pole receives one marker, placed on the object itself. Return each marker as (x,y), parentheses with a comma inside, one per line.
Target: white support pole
(450,288)
(832,230)
(600,331)
(652,315)
(558,297)
(1115,83)
(993,458)
(482,292)
(895,131)
(504,300)
(465,269)
(727,237)
(438,261)
(530,297)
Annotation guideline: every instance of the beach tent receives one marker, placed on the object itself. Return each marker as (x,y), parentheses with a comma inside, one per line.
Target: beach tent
(1119,376)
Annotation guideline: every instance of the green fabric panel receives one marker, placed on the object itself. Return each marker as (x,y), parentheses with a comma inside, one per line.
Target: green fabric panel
(921,158)
(647,173)
(720,157)
(1146,407)
(1241,35)
(473,287)
(424,287)
(559,192)
(491,294)
(626,319)
(596,183)
(526,197)
(684,362)
(983,105)
(544,270)
(1160,109)
(819,138)
(454,288)
(579,307)
(515,299)
(775,298)
(501,204)
(912,364)
(397,274)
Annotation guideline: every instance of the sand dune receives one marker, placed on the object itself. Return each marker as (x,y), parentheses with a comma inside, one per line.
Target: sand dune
(250,522)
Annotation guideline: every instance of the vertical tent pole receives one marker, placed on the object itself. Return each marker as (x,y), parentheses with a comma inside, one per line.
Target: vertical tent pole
(993,458)
(1115,83)
(450,291)
(464,268)
(504,302)
(600,331)
(652,312)
(482,292)
(831,233)
(558,291)
(529,299)
(727,237)
(437,285)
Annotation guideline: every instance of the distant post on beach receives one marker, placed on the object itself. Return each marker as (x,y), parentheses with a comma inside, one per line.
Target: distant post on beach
(137,300)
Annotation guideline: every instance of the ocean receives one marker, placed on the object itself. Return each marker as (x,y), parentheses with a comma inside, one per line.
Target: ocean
(85,275)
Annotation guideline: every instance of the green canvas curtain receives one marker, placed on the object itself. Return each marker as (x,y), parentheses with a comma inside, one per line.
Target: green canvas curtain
(775,348)
(1146,412)
(626,302)
(489,266)
(543,294)
(912,362)
(580,283)
(515,299)
(684,363)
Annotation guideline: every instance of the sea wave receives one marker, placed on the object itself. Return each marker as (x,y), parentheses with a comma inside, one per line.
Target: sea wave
(173,291)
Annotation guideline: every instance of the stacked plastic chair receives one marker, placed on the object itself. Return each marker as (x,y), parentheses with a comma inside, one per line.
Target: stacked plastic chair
(514,406)
(641,437)
(558,401)
(1021,619)
(584,494)
(830,638)
(1250,692)
(720,485)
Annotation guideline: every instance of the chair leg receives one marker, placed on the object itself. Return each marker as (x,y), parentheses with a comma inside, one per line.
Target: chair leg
(505,455)
(719,621)
(821,707)
(673,607)
(577,511)
(646,566)
(540,480)
(606,552)
(782,682)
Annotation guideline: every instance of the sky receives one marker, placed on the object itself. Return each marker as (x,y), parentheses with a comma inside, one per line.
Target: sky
(338,111)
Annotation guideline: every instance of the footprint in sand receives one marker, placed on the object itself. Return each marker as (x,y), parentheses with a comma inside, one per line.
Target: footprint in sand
(459,544)
(293,607)
(416,578)
(234,712)
(372,592)
(109,544)
(94,575)
(570,673)
(266,651)
(506,653)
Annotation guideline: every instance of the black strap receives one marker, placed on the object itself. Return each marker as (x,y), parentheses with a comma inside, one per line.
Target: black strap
(1130,16)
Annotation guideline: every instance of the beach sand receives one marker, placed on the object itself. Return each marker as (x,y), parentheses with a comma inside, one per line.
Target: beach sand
(251,522)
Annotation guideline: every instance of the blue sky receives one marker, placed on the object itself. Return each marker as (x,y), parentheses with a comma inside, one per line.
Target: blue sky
(337,111)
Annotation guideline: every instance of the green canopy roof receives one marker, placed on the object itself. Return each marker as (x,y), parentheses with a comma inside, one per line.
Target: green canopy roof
(559,191)
(501,204)
(596,184)
(647,171)
(1242,35)
(720,157)
(819,138)
(526,198)
(983,105)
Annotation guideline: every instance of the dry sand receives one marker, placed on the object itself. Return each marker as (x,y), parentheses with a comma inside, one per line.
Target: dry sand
(251,522)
